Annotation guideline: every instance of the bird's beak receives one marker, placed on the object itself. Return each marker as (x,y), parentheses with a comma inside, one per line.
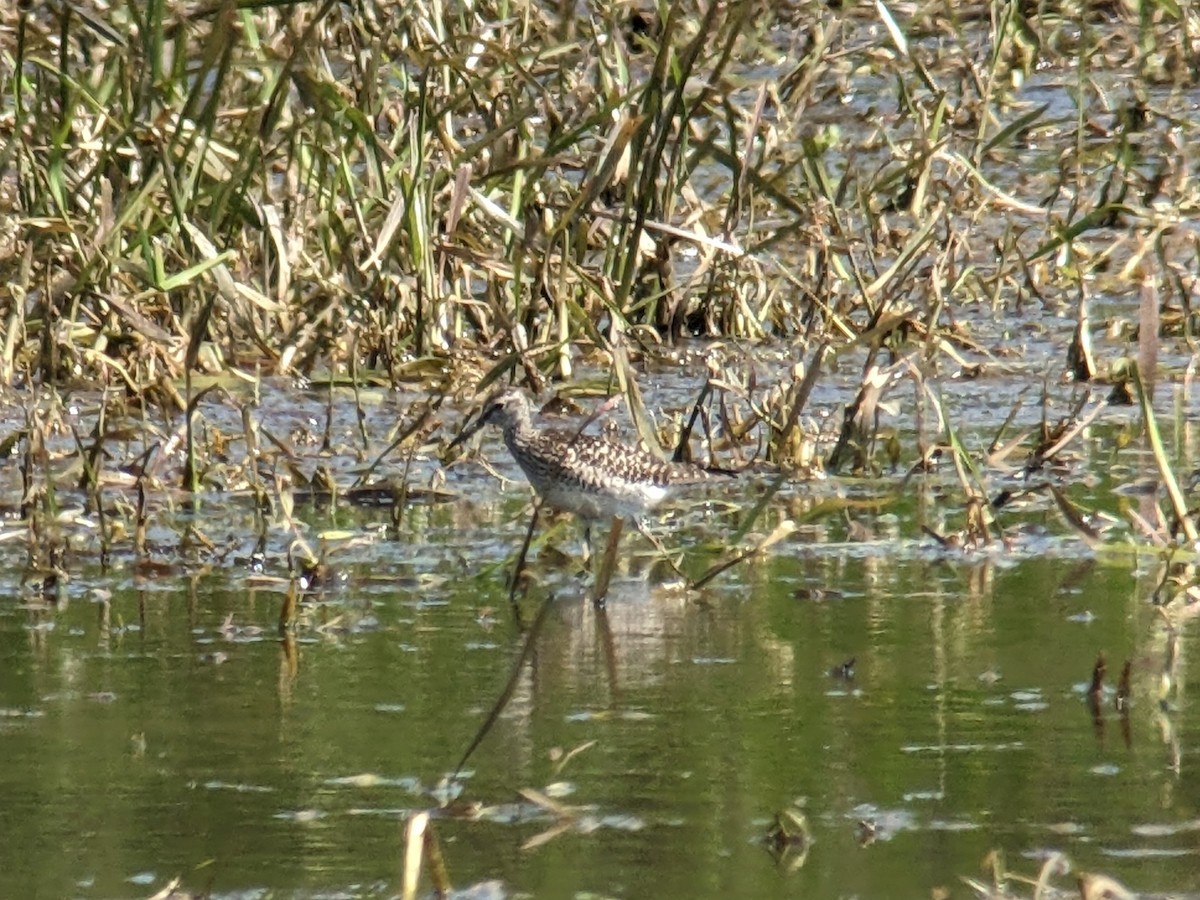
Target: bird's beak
(468,431)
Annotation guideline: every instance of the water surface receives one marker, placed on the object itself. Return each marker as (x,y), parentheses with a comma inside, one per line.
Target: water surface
(154,724)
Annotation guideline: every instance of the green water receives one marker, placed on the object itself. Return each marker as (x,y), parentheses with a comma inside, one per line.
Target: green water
(171,732)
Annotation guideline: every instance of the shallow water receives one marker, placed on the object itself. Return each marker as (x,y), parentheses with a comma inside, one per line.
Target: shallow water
(154,724)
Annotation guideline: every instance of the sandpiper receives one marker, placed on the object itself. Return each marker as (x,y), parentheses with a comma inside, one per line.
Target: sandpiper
(594,478)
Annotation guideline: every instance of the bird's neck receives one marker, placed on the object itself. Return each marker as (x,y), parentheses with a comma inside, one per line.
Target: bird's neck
(518,429)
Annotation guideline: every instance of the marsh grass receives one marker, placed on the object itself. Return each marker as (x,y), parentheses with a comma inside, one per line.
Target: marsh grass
(199,195)
(450,196)
(292,185)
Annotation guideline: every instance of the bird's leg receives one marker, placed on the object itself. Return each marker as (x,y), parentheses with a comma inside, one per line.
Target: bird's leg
(519,568)
(608,562)
(658,545)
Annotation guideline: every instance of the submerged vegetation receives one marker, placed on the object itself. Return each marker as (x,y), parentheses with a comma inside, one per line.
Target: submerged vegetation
(429,198)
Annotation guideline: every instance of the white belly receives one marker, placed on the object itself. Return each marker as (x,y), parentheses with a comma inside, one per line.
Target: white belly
(626,502)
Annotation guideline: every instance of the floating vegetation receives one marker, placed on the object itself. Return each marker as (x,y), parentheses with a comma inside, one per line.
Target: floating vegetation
(789,839)
(1007,885)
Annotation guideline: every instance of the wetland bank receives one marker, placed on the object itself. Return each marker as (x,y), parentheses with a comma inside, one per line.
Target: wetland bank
(921,273)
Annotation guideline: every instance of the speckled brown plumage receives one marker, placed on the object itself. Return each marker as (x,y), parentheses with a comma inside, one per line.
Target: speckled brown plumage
(592,477)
